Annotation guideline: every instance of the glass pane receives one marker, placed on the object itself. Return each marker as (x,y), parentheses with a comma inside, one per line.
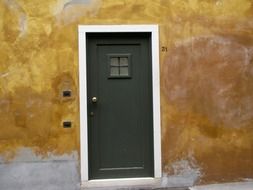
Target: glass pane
(124,61)
(123,71)
(114,71)
(114,61)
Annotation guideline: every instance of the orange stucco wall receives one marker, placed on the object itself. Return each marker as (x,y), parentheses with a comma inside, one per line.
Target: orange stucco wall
(206,78)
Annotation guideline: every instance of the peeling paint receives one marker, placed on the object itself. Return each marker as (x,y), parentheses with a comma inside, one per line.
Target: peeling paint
(206,80)
(212,81)
(208,95)
(184,173)
(23,25)
(72,10)
(183,167)
(71,2)
(17,9)
(28,155)
(33,120)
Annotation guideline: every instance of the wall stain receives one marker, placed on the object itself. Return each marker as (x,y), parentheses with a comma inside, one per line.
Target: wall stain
(33,119)
(206,78)
(61,83)
(208,93)
(212,81)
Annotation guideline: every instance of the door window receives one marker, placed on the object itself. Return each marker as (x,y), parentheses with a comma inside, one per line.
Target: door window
(119,65)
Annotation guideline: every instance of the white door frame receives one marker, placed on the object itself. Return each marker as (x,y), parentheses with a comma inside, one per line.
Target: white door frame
(82,31)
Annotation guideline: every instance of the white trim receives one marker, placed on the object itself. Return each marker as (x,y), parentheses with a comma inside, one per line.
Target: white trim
(83,30)
(123,182)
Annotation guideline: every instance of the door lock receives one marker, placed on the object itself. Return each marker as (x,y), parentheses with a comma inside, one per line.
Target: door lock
(94,99)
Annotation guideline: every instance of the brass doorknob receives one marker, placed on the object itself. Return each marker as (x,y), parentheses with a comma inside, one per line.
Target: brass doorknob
(94,99)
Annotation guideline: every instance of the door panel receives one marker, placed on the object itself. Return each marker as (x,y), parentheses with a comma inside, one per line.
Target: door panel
(120,122)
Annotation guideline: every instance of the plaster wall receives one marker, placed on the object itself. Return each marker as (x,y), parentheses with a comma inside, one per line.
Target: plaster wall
(206,50)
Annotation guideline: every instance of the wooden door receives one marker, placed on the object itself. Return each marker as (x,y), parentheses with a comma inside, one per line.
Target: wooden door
(120,123)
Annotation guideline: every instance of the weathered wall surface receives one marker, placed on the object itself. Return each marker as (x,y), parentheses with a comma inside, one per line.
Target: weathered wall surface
(206,81)
(28,171)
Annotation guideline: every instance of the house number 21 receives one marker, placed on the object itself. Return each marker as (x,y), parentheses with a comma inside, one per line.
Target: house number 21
(164,49)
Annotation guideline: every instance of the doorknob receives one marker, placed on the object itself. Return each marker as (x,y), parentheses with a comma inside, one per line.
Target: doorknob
(94,99)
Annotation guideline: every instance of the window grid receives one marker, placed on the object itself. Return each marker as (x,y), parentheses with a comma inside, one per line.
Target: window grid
(119,66)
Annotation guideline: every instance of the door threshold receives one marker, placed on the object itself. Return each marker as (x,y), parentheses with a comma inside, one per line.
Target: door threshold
(122,182)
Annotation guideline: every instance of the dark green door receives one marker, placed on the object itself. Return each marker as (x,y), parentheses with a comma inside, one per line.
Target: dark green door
(120,123)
